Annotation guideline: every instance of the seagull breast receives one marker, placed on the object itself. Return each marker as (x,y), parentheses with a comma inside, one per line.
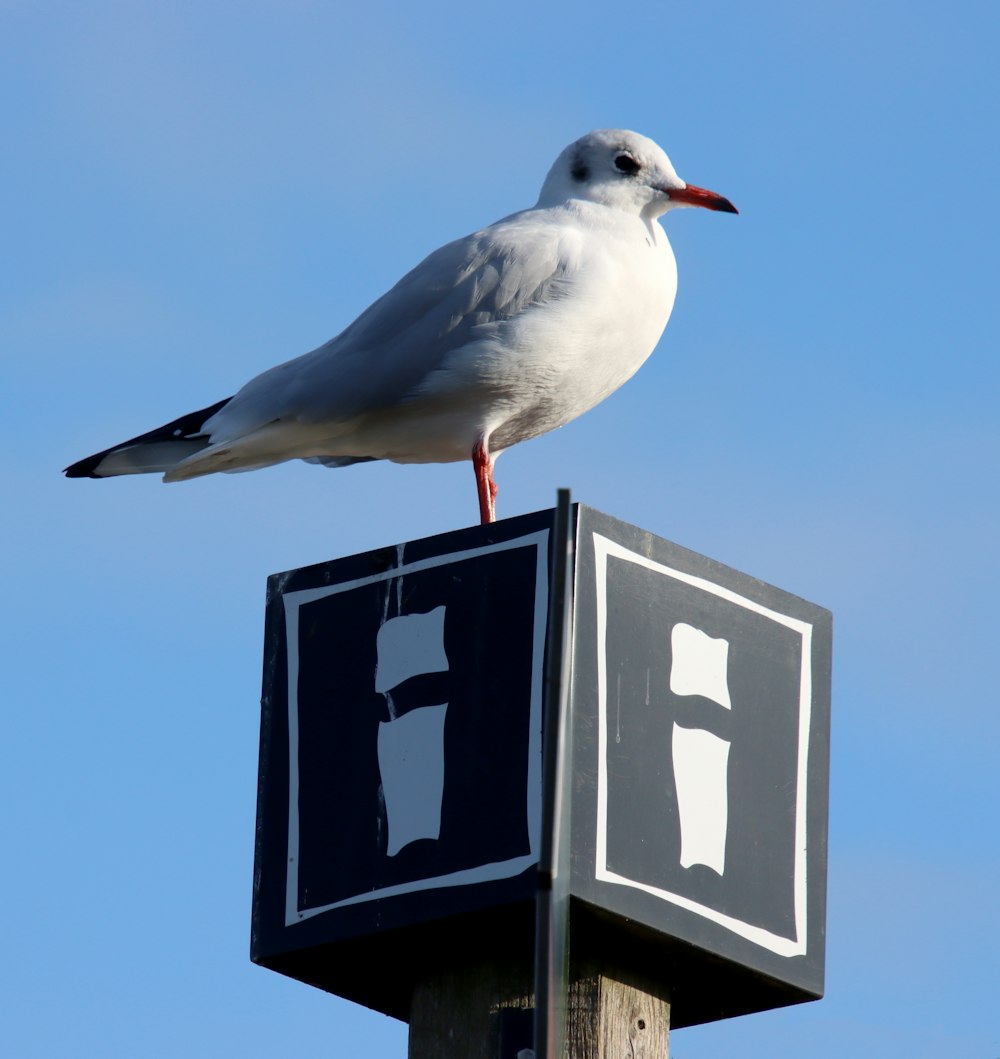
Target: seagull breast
(605,293)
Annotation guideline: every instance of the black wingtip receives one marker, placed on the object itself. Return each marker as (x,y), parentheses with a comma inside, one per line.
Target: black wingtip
(187,426)
(85,468)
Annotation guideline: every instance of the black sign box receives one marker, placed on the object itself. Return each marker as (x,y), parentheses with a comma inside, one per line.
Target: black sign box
(399,802)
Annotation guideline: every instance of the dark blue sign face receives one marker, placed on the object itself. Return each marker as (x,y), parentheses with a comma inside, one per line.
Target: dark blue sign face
(708,751)
(704,700)
(414,725)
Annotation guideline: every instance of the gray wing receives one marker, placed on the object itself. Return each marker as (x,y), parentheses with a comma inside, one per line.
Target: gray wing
(456,295)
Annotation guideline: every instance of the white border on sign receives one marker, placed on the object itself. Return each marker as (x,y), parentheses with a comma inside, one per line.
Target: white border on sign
(533,796)
(783,946)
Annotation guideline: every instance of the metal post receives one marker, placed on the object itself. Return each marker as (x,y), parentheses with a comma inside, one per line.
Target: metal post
(552,903)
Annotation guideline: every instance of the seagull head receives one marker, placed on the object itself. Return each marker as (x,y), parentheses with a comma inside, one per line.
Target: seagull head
(625,171)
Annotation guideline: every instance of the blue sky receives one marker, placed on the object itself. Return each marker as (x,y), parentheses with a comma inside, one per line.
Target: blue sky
(194,192)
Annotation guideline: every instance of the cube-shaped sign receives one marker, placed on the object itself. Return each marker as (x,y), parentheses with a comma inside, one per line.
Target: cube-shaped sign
(400,786)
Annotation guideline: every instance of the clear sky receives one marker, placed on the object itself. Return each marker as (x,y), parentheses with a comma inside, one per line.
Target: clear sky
(194,192)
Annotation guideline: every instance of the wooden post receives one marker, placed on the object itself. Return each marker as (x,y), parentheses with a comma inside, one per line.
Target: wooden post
(612,1019)
(457,1014)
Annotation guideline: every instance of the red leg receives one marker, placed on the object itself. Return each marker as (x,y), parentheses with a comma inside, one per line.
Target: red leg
(482,464)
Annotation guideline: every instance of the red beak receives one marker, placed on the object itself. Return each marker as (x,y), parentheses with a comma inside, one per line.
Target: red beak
(692,196)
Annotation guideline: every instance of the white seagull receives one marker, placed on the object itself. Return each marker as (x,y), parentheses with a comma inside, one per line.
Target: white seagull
(491,340)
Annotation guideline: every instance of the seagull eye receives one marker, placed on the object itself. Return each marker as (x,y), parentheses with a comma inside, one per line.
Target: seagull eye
(626,164)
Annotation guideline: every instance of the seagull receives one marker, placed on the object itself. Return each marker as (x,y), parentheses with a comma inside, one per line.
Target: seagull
(493,339)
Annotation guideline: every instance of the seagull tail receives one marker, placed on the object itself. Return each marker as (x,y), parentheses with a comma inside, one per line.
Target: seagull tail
(154,452)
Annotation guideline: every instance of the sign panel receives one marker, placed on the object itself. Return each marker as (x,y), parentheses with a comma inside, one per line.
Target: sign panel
(414,756)
(709,692)
(400,777)
(400,790)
